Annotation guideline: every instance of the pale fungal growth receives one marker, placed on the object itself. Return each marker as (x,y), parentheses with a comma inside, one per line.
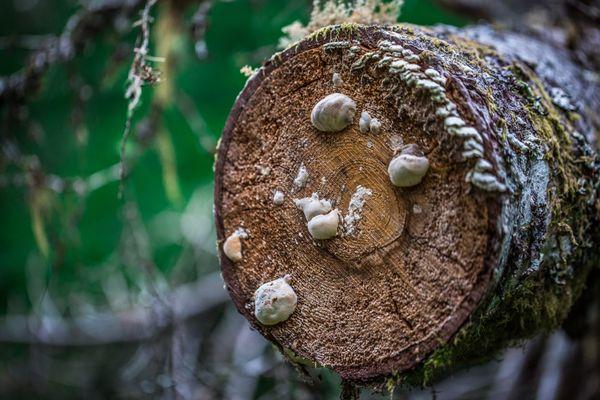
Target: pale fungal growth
(275,301)
(375,126)
(482,176)
(301,177)
(454,122)
(278,197)
(233,245)
(313,206)
(324,226)
(337,80)
(355,208)
(409,167)
(263,170)
(364,123)
(333,113)
(322,221)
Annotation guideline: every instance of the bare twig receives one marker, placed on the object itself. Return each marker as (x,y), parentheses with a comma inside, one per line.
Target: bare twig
(140,73)
(81,29)
(185,302)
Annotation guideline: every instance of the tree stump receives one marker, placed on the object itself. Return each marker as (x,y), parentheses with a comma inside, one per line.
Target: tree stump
(493,245)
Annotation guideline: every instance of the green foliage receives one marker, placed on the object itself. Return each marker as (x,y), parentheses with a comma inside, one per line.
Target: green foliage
(71,238)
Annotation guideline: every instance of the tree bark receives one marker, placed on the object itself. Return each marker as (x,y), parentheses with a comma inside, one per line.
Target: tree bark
(494,245)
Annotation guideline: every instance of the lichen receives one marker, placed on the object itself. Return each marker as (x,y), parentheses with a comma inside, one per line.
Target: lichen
(332,12)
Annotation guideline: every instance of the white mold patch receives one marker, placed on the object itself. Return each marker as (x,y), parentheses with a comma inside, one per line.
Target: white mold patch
(301,177)
(355,208)
(275,301)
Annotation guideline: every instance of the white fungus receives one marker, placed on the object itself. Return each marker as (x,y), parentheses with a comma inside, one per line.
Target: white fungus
(278,197)
(313,206)
(364,123)
(301,177)
(355,207)
(275,301)
(336,79)
(408,168)
(333,113)
(322,221)
(375,126)
(324,226)
(263,170)
(233,245)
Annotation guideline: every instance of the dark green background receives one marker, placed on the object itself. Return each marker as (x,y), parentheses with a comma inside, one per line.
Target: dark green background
(84,231)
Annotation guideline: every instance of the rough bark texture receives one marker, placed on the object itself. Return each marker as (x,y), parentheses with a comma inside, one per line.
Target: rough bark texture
(493,246)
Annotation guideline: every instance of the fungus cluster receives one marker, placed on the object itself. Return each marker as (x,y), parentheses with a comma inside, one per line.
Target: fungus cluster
(322,221)
(366,123)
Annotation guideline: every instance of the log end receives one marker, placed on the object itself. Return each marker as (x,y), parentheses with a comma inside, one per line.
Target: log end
(407,265)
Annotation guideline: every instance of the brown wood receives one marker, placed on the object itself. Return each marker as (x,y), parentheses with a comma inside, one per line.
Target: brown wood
(379,300)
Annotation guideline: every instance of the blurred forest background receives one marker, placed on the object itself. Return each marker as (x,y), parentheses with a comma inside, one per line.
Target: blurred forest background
(110,289)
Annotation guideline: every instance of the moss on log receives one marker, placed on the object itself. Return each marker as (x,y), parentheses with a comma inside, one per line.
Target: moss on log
(492,246)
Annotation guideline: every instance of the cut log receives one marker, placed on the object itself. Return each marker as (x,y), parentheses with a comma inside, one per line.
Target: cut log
(492,245)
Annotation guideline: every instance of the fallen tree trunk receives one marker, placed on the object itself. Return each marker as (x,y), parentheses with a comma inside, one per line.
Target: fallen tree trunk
(492,246)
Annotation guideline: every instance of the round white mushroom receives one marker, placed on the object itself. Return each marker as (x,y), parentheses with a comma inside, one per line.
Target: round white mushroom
(274,301)
(324,226)
(333,113)
(233,245)
(408,168)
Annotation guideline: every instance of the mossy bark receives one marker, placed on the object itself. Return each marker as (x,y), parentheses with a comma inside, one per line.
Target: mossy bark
(526,147)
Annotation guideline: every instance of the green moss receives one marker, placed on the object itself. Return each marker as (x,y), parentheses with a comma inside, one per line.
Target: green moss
(538,307)
(524,305)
